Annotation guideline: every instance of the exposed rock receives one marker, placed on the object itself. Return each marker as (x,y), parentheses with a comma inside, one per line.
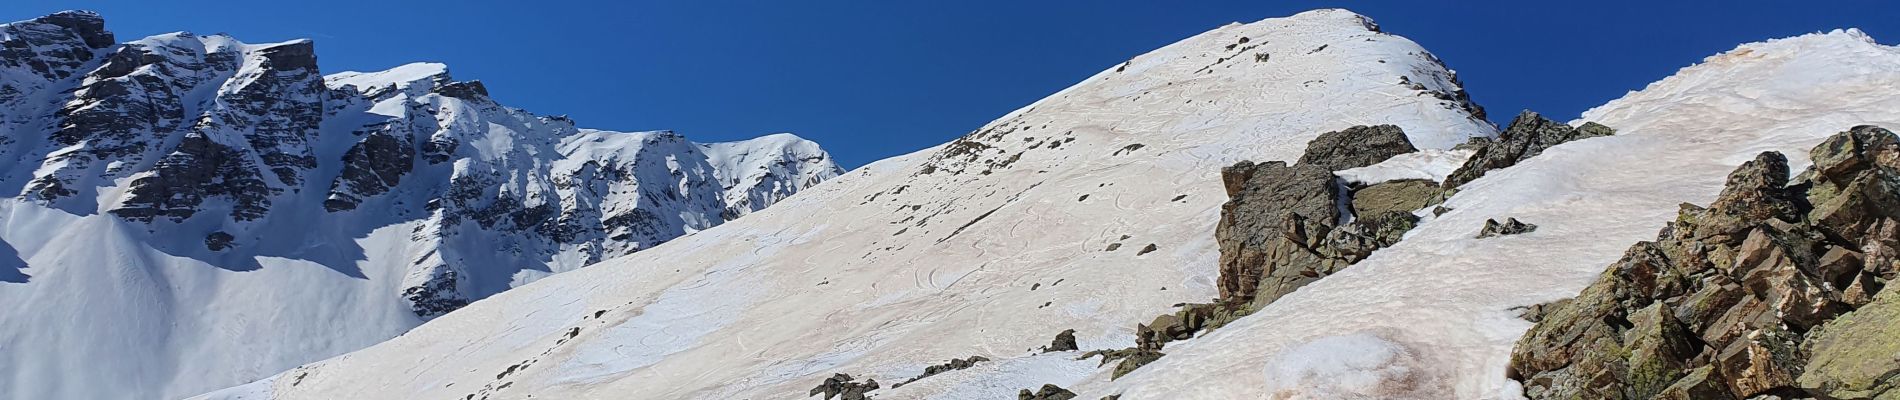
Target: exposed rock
(1047,392)
(1527,136)
(1065,341)
(1536,313)
(437,295)
(371,167)
(1282,229)
(199,168)
(844,387)
(1752,297)
(1355,147)
(470,90)
(218,241)
(1856,355)
(89,26)
(1266,216)
(1510,226)
(1405,195)
(952,365)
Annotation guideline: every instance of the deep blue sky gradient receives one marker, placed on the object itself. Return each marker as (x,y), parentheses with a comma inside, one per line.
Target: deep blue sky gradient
(873,79)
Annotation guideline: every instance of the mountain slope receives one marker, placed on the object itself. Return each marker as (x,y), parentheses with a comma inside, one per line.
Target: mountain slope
(190,212)
(1088,210)
(1436,315)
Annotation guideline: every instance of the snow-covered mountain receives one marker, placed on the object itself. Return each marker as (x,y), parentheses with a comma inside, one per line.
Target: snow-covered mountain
(1091,210)
(1082,217)
(191,212)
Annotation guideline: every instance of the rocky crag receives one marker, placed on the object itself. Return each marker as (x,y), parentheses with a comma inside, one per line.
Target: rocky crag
(1286,226)
(1772,291)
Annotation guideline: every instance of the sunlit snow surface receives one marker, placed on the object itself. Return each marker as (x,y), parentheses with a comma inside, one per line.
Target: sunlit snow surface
(985,247)
(1441,299)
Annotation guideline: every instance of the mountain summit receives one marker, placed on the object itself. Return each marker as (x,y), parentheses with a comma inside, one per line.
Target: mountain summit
(187,212)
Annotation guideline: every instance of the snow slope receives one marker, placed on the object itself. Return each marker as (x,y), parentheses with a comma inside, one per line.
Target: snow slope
(188,212)
(1431,316)
(988,245)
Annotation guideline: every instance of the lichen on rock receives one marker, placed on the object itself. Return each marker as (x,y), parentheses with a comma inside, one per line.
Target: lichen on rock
(1772,290)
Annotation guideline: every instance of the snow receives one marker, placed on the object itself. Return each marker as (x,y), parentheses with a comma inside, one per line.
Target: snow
(933,255)
(420,74)
(1448,298)
(1352,366)
(1428,164)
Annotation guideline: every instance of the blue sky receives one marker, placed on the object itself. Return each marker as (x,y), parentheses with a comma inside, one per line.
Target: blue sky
(873,79)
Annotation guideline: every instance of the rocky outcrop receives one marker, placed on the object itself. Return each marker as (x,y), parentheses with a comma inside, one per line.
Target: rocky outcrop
(952,365)
(844,387)
(1281,227)
(1286,226)
(1064,341)
(197,169)
(1773,290)
(371,167)
(1046,392)
(1510,226)
(1357,146)
(1527,136)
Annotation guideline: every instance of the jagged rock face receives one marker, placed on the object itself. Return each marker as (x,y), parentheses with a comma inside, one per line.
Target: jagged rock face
(371,167)
(1773,290)
(1527,136)
(1282,225)
(1267,218)
(52,47)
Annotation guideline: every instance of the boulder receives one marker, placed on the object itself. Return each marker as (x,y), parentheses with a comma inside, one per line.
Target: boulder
(1527,136)
(1065,341)
(1046,392)
(1355,147)
(1510,226)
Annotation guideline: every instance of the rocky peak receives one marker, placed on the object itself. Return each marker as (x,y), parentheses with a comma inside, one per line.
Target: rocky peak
(470,90)
(88,25)
(292,55)
(49,48)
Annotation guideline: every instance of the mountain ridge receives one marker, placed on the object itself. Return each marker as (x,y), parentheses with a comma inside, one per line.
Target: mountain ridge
(184,173)
(984,246)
